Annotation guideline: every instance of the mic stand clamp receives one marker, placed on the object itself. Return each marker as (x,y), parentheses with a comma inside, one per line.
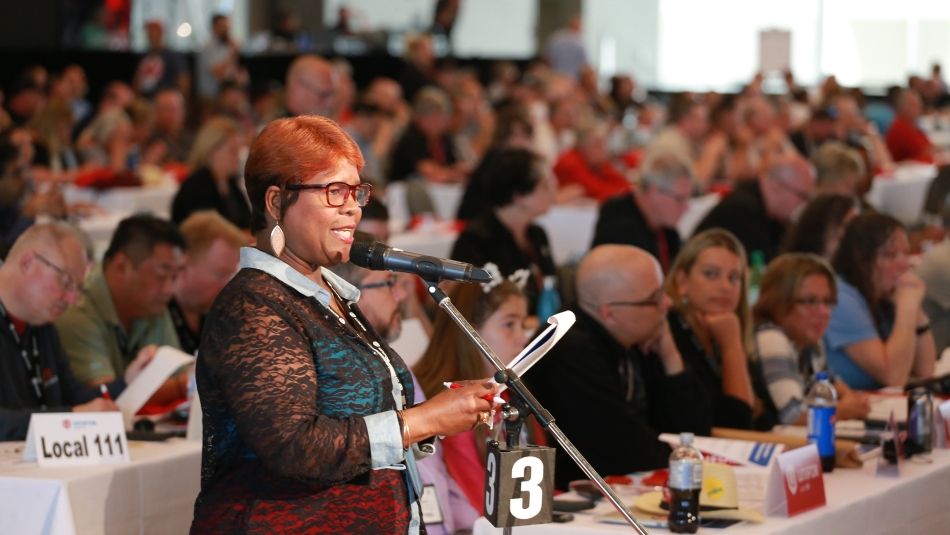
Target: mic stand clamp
(523,401)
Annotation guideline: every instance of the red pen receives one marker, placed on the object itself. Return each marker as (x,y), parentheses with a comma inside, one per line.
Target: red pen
(487,397)
(105,392)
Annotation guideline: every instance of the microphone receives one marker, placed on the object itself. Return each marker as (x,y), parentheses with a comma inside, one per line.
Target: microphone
(376,255)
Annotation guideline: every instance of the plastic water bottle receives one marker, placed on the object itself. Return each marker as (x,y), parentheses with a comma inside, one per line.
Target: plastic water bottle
(549,301)
(822,401)
(685,484)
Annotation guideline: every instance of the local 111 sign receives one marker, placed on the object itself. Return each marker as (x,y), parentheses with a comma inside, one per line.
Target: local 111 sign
(76,439)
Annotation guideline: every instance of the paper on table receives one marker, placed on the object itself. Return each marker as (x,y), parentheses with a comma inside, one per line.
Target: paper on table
(883,406)
(167,359)
(558,326)
(733,452)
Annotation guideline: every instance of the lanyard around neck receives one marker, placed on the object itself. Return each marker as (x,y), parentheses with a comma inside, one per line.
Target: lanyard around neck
(30,353)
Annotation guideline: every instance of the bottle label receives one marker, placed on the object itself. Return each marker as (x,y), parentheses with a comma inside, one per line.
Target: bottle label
(686,475)
(821,429)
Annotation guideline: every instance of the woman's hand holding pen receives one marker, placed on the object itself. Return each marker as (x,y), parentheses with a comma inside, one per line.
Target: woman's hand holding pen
(449,412)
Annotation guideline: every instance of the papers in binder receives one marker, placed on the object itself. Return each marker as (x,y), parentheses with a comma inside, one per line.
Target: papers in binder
(558,325)
(166,361)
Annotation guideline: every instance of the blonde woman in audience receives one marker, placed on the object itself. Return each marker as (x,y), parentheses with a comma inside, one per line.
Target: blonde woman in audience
(796,298)
(710,322)
(498,313)
(107,141)
(215,162)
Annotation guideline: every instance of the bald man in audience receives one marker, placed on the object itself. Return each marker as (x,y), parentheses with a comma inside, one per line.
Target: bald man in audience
(39,280)
(311,87)
(616,380)
(210,258)
(759,211)
(122,312)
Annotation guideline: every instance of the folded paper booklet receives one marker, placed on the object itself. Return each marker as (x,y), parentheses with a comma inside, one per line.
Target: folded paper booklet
(167,361)
(558,325)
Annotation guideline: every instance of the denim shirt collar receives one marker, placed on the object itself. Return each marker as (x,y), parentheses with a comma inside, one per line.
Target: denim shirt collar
(254,258)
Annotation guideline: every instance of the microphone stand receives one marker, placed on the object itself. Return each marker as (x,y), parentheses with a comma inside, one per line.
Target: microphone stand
(528,401)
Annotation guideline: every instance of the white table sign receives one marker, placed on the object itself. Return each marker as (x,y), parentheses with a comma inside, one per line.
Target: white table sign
(76,439)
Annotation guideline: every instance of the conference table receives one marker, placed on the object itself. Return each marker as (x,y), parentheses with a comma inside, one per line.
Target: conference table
(153,494)
(858,502)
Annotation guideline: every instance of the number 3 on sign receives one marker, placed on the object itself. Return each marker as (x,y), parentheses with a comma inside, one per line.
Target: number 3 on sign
(531,486)
(519,485)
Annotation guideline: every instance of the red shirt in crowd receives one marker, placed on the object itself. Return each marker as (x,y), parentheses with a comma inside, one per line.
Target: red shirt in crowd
(908,142)
(598,182)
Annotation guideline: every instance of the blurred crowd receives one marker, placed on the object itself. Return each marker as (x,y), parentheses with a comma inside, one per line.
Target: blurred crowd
(791,272)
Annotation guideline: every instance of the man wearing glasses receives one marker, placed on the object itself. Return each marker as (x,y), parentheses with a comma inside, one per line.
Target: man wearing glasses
(122,313)
(38,281)
(647,218)
(616,380)
(759,211)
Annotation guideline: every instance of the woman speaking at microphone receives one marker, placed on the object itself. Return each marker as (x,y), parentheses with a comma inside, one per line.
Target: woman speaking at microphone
(307,427)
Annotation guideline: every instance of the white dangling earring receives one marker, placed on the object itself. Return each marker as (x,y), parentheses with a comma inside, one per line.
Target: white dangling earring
(277,240)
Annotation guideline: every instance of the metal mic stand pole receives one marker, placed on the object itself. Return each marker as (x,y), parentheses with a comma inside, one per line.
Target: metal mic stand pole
(514,383)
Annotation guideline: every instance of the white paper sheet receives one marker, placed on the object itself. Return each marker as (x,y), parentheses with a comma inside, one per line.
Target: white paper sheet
(166,361)
(741,452)
(558,325)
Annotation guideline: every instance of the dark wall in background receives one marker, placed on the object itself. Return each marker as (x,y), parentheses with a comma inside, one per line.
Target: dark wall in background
(30,23)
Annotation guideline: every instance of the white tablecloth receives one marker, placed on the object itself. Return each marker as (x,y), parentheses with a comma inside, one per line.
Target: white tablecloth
(857,502)
(903,194)
(154,494)
(153,199)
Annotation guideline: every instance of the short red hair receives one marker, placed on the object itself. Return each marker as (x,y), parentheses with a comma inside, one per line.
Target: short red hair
(291,150)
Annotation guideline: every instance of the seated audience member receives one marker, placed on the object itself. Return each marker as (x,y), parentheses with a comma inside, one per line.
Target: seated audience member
(425,149)
(375,220)
(838,169)
(51,127)
(364,127)
(820,225)
(683,136)
(934,270)
(818,130)
(20,205)
(586,171)
(857,131)
(310,85)
(209,260)
(214,161)
(647,217)
(796,296)
(616,380)
(763,138)
(512,131)
(905,140)
(107,141)
(758,211)
(419,70)
(710,323)
(123,309)
(498,313)
(169,128)
(505,234)
(879,334)
(38,281)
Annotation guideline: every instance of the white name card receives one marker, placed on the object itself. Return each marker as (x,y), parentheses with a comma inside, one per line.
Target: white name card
(76,439)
